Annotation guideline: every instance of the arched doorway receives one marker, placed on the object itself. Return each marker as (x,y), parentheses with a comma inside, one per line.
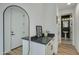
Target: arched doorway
(16,24)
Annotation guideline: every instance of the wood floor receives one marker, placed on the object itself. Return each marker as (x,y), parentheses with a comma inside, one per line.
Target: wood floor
(66,49)
(16,51)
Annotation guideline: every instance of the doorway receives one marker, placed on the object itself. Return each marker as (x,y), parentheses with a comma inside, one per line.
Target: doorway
(66,29)
(16,26)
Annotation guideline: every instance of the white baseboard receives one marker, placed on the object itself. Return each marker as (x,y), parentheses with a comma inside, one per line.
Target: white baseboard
(77,49)
(1,53)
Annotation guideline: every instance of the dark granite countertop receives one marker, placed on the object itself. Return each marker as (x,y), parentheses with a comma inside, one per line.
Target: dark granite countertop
(41,40)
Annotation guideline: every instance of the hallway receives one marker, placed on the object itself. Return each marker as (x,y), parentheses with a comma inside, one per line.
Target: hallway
(66,49)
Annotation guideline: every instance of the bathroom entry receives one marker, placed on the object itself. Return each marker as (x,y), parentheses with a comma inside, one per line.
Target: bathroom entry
(66,27)
(15,27)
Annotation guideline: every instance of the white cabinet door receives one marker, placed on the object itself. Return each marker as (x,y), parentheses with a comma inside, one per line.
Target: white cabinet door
(49,48)
(37,49)
(25,48)
(55,46)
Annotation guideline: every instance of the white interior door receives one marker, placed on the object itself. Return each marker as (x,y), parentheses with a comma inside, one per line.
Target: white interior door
(16,28)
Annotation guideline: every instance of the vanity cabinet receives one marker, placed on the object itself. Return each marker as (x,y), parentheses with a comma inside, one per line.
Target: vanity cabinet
(25,47)
(49,48)
(38,48)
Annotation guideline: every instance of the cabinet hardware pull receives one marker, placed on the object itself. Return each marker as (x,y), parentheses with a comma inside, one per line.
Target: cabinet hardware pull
(51,47)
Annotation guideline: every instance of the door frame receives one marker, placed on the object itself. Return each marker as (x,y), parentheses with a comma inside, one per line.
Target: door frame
(4,26)
(71,34)
(69,23)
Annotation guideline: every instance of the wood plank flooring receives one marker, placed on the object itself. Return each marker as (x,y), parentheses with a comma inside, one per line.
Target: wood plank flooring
(16,51)
(66,49)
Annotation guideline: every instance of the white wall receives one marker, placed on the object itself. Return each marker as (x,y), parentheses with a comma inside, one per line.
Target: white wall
(76,26)
(50,17)
(1,30)
(50,21)
(40,14)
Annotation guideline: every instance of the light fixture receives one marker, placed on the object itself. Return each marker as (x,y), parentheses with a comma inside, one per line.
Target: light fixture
(68,3)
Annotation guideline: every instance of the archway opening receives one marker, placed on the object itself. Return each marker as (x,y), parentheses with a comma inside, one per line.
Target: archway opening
(16,26)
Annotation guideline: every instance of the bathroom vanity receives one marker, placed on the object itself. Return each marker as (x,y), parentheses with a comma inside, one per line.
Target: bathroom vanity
(40,45)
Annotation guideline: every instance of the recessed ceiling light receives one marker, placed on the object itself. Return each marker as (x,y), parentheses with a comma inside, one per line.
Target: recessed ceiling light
(68,3)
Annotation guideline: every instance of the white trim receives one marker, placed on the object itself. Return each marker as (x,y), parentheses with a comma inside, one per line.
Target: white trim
(66,12)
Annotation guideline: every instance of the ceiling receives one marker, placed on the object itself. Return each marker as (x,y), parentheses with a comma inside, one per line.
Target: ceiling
(63,6)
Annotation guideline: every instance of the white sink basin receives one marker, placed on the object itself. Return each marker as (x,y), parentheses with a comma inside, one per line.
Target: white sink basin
(65,32)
